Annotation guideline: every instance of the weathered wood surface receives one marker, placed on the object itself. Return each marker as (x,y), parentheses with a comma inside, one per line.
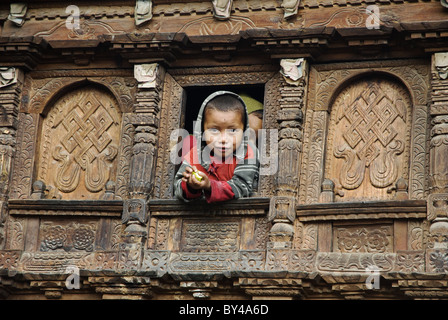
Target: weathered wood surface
(86,177)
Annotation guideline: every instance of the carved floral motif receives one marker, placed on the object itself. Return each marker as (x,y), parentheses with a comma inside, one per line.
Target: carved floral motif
(74,235)
(364,239)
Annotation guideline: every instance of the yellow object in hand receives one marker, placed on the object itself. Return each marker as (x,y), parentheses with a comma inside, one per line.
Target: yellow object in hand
(197,176)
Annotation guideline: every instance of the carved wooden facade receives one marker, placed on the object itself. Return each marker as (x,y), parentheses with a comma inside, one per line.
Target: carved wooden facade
(354,173)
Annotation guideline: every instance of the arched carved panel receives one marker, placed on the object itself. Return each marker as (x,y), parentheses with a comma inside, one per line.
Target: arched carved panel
(369,139)
(79,144)
(325,83)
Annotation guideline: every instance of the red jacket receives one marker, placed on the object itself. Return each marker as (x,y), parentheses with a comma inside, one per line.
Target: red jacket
(218,173)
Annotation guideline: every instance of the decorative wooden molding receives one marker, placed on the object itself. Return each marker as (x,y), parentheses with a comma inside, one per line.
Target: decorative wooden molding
(335,211)
(172,207)
(47,207)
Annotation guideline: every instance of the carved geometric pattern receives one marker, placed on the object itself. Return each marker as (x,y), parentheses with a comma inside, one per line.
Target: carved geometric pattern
(253,260)
(79,148)
(410,261)
(370,118)
(86,127)
(324,89)
(201,236)
(369,131)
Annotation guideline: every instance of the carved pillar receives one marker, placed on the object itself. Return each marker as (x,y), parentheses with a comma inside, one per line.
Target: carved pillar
(145,122)
(11,81)
(438,199)
(290,117)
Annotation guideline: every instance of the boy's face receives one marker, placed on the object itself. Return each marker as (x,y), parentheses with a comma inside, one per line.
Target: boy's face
(223,131)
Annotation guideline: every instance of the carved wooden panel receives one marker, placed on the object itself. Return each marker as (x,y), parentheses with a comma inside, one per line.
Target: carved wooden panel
(363,238)
(79,144)
(326,85)
(368,141)
(215,236)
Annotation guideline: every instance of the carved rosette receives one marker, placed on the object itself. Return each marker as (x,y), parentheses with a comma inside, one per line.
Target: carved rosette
(150,79)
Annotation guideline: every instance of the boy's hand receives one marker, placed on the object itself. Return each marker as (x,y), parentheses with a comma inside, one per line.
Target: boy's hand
(190,177)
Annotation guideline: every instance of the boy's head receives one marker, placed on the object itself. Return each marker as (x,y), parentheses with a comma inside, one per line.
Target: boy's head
(224,120)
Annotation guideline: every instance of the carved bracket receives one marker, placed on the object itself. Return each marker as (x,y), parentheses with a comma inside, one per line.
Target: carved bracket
(8,76)
(17,13)
(222,9)
(441,64)
(146,75)
(437,206)
(293,70)
(290,8)
(134,211)
(282,213)
(143,11)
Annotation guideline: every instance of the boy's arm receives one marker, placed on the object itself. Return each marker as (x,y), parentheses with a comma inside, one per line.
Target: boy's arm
(219,191)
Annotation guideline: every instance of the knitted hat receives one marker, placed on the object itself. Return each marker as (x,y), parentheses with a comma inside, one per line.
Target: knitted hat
(251,104)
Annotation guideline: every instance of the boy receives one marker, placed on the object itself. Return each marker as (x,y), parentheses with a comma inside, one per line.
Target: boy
(221,163)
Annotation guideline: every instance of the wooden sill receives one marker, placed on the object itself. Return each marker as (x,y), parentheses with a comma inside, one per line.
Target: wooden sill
(404,209)
(50,207)
(244,206)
